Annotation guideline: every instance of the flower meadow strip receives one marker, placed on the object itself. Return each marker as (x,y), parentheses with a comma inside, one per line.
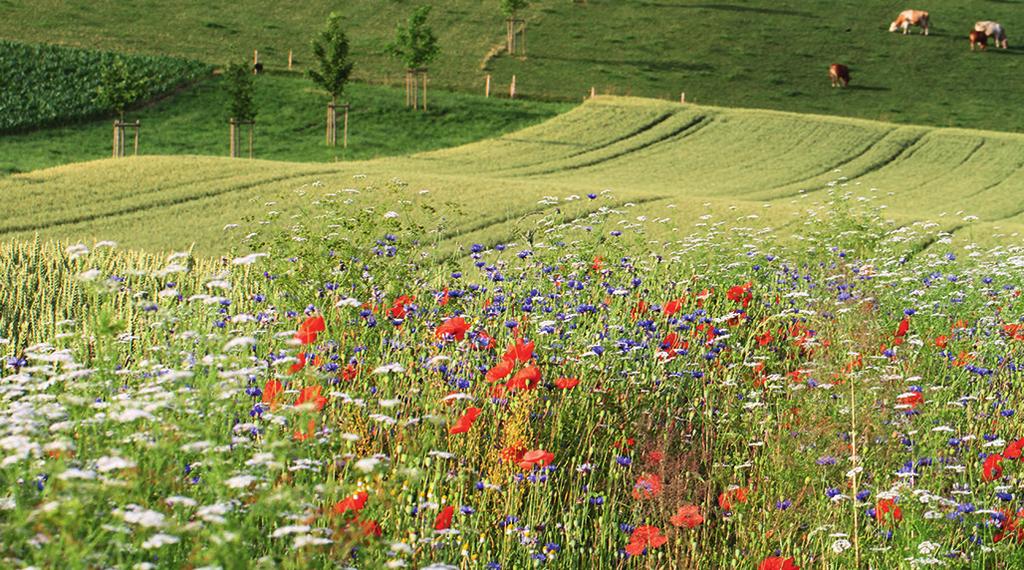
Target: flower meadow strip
(590,392)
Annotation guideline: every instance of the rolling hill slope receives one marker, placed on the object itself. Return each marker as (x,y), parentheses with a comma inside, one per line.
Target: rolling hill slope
(660,159)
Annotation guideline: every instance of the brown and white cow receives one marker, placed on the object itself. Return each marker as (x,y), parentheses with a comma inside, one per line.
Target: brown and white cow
(978,39)
(839,73)
(992,30)
(909,18)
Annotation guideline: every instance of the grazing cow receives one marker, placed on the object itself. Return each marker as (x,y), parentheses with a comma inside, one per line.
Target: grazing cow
(978,39)
(992,30)
(839,73)
(909,18)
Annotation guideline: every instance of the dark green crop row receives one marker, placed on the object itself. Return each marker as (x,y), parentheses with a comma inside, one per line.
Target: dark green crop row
(46,85)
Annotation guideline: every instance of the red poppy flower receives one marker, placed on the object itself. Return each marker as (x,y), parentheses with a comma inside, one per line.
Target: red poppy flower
(639,309)
(648,486)
(596,263)
(350,372)
(645,537)
(305,337)
(1013,449)
(726,498)
(672,307)
(687,516)
(513,453)
(314,324)
(354,503)
(673,341)
(1011,526)
(454,327)
(500,370)
(912,399)
(888,507)
(301,363)
(270,392)
(397,310)
(764,339)
(992,470)
(311,395)
(521,351)
(536,458)
(778,563)
(740,294)
(941,341)
(309,328)
(465,422)
(904,326)
(444,518)
(525,379)
(483,341)
(567,383)
(310,431)
(371,528)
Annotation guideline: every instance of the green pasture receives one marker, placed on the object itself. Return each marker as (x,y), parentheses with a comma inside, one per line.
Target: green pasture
(758,53)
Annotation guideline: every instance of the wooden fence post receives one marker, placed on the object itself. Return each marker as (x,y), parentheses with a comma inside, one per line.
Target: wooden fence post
(593,93)
(682,97)
(289,60)
(232,137)
(137,125)
(255,59)
(487,86)
(512,88)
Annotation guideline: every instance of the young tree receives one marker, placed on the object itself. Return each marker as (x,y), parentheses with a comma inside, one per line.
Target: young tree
(330,48)
(415,45)
(119,88)
(241,107)
(511,9)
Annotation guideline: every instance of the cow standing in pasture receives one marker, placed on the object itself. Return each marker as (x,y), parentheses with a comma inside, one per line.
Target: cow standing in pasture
(978,39)
(992,30)
(839,74)
(909,18)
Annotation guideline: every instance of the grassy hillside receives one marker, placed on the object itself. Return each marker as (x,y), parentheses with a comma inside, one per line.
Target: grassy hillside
(290,125)
(756,53)
(667,160)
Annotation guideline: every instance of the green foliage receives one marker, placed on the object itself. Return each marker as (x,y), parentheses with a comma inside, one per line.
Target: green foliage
(510,8)
(239,88)
(330,49)
(415,44)
(54,85)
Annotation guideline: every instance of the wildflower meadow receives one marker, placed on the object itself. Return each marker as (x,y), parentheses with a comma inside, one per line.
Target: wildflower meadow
(590,393)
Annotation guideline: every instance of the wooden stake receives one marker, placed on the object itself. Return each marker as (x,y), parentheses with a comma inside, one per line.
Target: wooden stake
(255,59)
(289,60)
(487,86)
(345,136)
(682,97)
(512,88)
(592,92)
(114,149)
(252,134)
(424,90)
(232,137)
(136,137)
